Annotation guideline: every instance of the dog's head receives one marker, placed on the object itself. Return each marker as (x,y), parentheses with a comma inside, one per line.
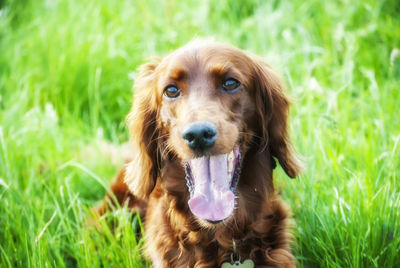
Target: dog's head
(206,104)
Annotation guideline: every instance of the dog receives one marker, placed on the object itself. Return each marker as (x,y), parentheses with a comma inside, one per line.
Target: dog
(208,123)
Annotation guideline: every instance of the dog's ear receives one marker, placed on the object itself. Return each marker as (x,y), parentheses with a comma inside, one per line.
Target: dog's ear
(142,171)
(272,107)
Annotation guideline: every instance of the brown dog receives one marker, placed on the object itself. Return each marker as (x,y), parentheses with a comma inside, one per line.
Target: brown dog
(207,123)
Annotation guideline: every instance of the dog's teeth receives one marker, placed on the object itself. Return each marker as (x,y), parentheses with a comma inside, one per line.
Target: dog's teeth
(230,160)
(231,156)
(229,177)
(230,167)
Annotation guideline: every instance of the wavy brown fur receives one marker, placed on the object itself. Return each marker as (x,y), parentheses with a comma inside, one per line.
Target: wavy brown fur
(154,181)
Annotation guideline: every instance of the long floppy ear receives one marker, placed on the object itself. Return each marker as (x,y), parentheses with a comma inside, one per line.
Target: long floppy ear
(272,106)
(142,171)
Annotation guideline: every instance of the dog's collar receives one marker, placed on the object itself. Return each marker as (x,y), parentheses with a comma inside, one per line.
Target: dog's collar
(235,259)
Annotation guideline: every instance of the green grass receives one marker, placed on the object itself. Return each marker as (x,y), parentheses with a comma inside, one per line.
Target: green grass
(66,71)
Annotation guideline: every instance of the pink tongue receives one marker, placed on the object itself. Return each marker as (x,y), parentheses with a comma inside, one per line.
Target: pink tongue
(211,199)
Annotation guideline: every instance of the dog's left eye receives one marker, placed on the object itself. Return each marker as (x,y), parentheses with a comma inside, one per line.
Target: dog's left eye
(231,85)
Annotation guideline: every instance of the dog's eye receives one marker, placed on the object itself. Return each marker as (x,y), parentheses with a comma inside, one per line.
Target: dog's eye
(231,85)
(172,92)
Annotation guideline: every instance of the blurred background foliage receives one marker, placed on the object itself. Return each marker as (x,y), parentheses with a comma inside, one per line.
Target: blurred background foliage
(66,75)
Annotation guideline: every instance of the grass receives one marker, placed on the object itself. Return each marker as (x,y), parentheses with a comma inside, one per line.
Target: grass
(66,70)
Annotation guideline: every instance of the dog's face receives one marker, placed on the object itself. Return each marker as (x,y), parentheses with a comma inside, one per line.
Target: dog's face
(205,100)
(206,104)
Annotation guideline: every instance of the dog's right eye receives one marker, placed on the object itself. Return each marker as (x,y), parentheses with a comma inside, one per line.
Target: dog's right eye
(172,92)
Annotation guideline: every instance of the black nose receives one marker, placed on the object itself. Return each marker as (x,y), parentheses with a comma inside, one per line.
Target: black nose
(200,135)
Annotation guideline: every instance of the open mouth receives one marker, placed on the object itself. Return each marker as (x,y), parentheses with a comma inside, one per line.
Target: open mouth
(212,182)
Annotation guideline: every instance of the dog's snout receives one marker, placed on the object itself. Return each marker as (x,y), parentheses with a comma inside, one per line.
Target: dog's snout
(200,135)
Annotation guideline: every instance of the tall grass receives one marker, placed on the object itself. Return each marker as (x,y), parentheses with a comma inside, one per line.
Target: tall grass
(66,70)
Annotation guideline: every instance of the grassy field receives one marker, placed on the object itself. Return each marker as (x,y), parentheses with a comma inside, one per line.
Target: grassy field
(66,71)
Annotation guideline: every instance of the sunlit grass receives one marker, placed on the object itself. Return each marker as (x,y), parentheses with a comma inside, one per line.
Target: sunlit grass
(66,73)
